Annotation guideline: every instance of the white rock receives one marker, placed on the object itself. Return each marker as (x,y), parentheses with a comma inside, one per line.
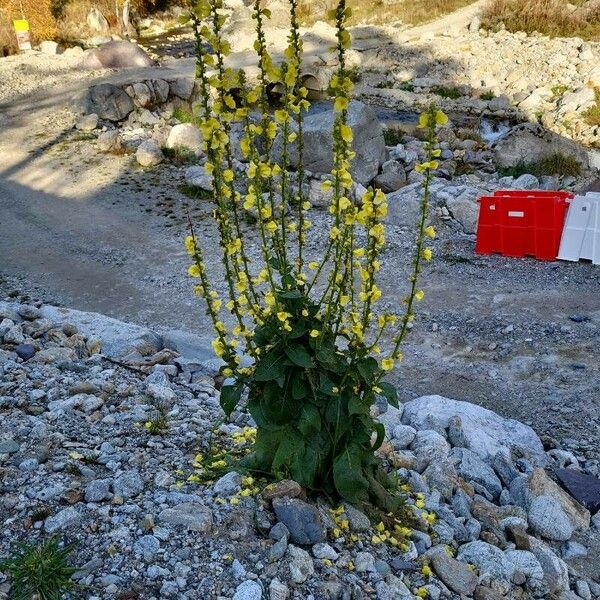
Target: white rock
(187,136)
(485,431)
(148,154)
(547,519)
(49,47)
(198,177)
(301,564)
(87,123)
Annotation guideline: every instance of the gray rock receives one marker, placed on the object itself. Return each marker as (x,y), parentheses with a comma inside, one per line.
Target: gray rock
(142,95)
(192,516)
(186,135)
(488,559)
(368,143)
(109,101)
(198,177)
(116,54)
(485,431)
(404,206)
(530,142)
(572,550)
(182,87)
(248,590)
(24,351)
(465,210)
(9,446)
(526,562)
(128,484)
(442,476)
(556,574)
(455,574)
(229,484)
(527,182)
(300,564)
(97,490)
(110,141)
(359,522)
(429,446)
(364,562)
(87,123)
(391,178)
(548,519)
(472,468)
(278,531)
(402,436)
(118,338)
(67,518)
(324,551)
(303,520)
(147,546)
(278,590)
(148,154)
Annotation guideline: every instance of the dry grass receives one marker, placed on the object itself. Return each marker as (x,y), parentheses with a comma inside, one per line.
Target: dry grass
(592,114)
(556,18)
(412,12)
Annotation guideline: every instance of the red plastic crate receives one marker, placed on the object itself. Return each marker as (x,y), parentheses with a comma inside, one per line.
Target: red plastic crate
(522,223)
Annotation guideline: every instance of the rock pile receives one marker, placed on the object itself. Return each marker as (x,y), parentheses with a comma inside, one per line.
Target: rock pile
(81,457)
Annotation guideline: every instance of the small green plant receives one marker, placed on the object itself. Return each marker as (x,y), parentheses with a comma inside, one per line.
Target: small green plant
(453,93)
(319,343)
(179,155)
(592,114)
(354,74)
(194,192)
(184,116)
(158,425)
(385,85)
(40,571)
(407,86)
(558,91)
(488,95)
(559,164)
(393,136)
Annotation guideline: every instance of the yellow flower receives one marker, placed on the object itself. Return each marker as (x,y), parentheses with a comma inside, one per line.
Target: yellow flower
(426,570)
(194,271)
(313,265)
(271,226)
(423,120)
(422,592)
(419,295)
(387,364)
(234,501)
(441,118)
(427,253)
(346,132)
(429,231)
(341,103)
(228,175)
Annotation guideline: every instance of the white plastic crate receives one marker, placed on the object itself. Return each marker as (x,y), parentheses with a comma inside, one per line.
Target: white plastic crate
(581,233)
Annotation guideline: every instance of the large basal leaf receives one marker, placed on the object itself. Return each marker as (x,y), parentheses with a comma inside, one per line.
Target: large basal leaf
(278,406)
(271,366)
(368,368)
(309,422)
(230,396)
(357,405)
(299,355)
(390,393)
(288,454)
(348,476)
(328,357)
(300,387)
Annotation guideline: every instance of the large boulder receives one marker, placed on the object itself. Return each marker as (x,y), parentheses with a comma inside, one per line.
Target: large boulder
(118,338)
(530,142)
(117,54)
(185,135)
(368,143)
(109,101)
(486,433)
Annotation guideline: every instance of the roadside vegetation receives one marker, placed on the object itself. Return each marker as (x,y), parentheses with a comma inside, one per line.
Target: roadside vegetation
(556,18)
(561,165)
(378,12)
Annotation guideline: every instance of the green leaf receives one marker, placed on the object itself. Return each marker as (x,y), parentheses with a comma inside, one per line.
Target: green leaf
(289,452)
(348,476)
(271,366)
(357,406)
(309,423)
(380,430)
(277,404)
(299,355)
(300,387)
(368,368)
(390,393)
(230,396)
(330,360)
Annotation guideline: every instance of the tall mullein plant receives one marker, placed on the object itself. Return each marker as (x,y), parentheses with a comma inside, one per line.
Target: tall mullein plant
(311,329)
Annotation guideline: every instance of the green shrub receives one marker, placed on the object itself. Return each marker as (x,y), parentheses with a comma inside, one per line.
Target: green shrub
(592,114)
(313,329)
(393,136)
(452,93)
(550,17)
(561,165)
(40,570)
